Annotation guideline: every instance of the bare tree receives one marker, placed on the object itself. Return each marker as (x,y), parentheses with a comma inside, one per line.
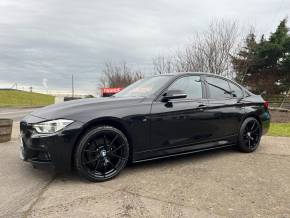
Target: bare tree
(163,65)
(118,75)
(210,51)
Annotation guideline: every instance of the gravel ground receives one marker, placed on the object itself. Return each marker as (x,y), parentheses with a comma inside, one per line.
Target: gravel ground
(280,116)
(210,184)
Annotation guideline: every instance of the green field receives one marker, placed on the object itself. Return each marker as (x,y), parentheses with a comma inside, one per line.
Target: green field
(279,129)
(15,98)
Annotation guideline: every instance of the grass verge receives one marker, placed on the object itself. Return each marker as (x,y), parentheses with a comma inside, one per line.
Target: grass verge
(279,129)
(16,98)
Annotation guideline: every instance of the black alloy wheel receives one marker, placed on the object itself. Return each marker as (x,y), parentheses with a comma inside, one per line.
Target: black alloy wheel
(102,153)
(250,135)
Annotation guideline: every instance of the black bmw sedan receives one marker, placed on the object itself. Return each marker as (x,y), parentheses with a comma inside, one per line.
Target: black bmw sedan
(156,117)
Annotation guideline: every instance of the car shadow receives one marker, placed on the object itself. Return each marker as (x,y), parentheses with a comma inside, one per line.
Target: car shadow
(180,159)
(155,164)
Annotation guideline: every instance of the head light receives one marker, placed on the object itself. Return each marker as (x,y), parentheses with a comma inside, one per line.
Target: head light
(51,126)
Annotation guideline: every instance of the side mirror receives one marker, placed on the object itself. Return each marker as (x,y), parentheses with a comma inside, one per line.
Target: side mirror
(233,93)
(173,94)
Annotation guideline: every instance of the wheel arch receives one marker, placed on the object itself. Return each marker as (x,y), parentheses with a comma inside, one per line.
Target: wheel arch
(104,121)
(251,115)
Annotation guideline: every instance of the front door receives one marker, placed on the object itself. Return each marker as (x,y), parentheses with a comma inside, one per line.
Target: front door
(179,123)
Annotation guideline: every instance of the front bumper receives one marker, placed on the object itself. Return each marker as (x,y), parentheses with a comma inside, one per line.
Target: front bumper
(52,149)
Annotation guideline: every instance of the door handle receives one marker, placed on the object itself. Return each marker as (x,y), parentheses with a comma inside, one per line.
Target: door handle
(201,107)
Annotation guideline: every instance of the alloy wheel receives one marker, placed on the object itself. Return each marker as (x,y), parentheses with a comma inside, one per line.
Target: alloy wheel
(104,153)
(252,134)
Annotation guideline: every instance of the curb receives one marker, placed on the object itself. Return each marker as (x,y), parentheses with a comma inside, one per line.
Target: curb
(15,131)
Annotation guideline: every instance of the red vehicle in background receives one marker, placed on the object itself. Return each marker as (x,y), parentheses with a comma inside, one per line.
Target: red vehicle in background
(107,92)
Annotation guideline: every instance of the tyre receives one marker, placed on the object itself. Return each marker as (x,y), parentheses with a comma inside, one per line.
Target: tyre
(101,153)
(250,135)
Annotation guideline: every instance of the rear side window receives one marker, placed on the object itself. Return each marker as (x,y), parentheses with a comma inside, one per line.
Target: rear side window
(190,85)
(237,91)
(218,88)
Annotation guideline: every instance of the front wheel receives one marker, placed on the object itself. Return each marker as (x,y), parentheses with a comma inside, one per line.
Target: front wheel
(102,153)
(250,135)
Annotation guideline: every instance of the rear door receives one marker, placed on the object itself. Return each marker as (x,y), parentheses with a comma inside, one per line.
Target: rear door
(224,108)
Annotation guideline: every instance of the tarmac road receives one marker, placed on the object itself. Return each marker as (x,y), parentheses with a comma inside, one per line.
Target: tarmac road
(16,114)
(223,183)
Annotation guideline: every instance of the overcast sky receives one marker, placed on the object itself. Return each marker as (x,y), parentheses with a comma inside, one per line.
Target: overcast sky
(42,42)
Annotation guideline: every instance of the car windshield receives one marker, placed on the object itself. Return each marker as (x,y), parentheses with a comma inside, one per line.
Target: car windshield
(144,87)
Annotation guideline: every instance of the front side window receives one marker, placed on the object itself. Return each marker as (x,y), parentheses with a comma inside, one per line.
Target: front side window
(190,85)
(218,88)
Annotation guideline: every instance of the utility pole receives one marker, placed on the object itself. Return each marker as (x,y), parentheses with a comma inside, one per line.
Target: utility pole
(72,86)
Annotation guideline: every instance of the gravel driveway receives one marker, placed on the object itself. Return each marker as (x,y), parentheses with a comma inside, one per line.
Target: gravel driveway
(209,184)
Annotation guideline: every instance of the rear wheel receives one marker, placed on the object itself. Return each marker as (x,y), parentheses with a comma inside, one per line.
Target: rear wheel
(102,153)
(250,135)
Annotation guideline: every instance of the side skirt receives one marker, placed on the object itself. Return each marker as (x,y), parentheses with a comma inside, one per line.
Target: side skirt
(184,153)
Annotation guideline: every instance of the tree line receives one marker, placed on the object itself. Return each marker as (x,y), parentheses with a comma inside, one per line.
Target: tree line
(262,65)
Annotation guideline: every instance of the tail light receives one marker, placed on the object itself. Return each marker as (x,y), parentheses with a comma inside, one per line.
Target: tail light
(266,104)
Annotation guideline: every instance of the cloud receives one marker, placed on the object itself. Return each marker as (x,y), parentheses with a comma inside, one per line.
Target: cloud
(53,39)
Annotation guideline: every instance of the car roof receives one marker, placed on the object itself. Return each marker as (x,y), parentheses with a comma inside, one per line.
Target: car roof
(178,74)
(191,73)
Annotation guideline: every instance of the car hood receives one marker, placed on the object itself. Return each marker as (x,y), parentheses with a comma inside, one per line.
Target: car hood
(78,109)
